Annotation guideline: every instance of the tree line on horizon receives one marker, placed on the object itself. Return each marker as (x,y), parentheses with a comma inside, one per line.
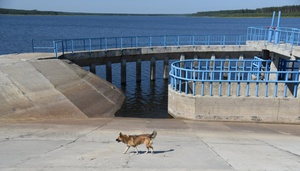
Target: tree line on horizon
(286,11)
(6,11)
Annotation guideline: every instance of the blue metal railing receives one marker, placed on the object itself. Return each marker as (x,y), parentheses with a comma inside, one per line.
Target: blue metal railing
(42,45)
(289,37)
(281,37)
(288,65)
(191,76)
(106,43)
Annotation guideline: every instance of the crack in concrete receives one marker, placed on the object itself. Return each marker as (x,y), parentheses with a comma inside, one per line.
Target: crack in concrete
(56,148)
(211,148)
(75,140)
(127,162)
(278,148)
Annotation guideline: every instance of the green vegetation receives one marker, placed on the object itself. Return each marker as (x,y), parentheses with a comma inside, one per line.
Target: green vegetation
(36,12)
(287,11)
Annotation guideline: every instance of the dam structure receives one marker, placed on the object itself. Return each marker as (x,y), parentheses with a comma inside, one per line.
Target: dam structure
(251,78)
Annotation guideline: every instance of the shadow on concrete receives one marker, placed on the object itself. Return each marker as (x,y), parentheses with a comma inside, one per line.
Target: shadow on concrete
(166,151)
(155,152)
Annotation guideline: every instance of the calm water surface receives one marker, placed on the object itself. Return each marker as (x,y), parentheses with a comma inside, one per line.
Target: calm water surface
(144,99)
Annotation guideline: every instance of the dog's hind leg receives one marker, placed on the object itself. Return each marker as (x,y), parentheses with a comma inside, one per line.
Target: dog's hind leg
(126,149)
(151,149)
(147,150)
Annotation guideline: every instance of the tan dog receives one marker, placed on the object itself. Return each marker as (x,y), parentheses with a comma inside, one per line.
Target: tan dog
(135,140)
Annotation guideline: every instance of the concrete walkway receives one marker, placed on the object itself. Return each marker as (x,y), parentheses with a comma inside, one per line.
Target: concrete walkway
(89,144)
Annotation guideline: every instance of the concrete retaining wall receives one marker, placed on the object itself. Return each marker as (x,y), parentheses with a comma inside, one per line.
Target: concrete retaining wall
(247,109)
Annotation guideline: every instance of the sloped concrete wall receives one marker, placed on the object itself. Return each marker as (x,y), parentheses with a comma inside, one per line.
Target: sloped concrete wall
(51,89)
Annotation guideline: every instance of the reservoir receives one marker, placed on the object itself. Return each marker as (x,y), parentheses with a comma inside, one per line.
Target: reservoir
(146,98)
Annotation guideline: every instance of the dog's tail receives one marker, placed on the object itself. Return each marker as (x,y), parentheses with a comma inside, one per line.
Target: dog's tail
(153,135)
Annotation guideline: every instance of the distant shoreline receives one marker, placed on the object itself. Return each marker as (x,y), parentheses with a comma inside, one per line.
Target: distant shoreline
(4,11)
(287,11)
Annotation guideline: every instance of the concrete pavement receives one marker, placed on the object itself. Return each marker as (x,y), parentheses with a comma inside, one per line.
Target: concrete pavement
(89,144)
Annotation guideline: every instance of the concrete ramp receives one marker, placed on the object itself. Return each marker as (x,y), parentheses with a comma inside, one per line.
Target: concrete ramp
(92,95)
(52,88)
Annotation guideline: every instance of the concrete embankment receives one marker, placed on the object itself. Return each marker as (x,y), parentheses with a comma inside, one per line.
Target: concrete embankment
(36,86)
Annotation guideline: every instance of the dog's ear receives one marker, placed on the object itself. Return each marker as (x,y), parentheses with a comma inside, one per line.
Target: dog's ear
(120,133)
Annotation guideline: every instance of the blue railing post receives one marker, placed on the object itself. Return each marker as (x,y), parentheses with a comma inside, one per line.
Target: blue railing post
(131,44)
(193,39)
(136,42)
(265,37)
(270,28)
(292,41)
(121,43)
(277,29)
(32,45)
(90,45)
(298,39)
(100,43)
(286,40)
(105,44)
(55,49)
(249,33)
(208,41)
(72,46)
(63,48)
(66,42)
(84,44)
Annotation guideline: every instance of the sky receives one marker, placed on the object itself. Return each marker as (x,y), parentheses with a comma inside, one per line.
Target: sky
(142,6)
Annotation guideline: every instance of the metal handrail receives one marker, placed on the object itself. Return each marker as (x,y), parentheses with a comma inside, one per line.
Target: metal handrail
(106,43)
(182,74)
(278,36)
(284,35)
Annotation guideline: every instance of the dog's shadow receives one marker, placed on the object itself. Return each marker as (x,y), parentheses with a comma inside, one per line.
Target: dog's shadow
(155,152)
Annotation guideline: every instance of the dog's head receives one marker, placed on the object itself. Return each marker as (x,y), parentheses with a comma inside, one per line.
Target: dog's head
(120,138)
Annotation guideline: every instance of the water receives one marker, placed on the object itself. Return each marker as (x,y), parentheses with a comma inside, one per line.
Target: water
(144,99)
(147,98)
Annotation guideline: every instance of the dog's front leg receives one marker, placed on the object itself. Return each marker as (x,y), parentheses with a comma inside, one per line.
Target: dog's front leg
(126,149)
(137,151)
